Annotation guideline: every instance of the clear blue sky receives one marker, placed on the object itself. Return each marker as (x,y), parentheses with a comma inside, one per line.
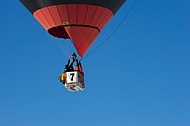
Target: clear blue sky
(139,77)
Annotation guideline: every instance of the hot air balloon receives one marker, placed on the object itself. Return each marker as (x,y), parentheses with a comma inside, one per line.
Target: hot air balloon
(81,21)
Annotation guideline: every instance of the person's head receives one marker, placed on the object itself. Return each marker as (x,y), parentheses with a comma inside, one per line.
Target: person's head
(76,68)
(79,68)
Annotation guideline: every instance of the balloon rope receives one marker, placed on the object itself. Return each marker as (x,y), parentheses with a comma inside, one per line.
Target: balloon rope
(111,33)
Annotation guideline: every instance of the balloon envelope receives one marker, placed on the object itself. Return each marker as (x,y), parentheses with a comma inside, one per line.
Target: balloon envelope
(78,20)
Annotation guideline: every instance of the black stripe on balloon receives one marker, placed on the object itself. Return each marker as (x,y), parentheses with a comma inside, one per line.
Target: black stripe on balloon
(81,25)
(112,5)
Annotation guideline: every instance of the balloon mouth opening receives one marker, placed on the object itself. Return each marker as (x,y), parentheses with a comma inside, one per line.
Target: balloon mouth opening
(59,32)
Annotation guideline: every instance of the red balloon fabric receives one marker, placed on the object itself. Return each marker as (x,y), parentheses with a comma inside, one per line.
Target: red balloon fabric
(78,20)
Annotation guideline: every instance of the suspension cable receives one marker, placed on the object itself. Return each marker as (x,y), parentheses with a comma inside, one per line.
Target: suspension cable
(122,21)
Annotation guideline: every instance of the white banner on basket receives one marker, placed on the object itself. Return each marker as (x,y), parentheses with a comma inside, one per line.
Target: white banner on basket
(72,77)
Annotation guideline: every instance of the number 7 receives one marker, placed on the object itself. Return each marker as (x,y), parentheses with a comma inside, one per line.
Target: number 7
(72,76)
